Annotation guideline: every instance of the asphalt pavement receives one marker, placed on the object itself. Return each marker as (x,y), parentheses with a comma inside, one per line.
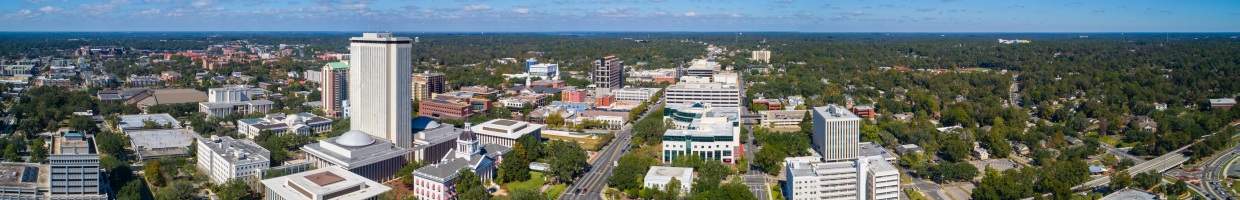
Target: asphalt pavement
(591,184)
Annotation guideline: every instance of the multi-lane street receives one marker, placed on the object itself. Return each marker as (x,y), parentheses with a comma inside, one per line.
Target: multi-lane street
(591,184)
(1214,171)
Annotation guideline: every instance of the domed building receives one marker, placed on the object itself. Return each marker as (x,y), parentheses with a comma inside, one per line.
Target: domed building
(435,181)
(432,141)
(360,153)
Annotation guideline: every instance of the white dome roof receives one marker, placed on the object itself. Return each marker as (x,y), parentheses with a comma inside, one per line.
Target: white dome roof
(355,138)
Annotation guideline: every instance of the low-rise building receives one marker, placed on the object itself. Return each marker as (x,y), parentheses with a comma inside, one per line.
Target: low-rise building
(160,143)
(22,181)
(635,94)
(135,80)
(300,124)
(323,184)
(658,177)
(358,152)
(147,121)
(574,95)
(864,111)
(504,132)
(610,119)
(168,96)
(442,107)
(432,141)
(525,100)
(235,100)
(711,138)
(782,118)
(664,75)
(1222,103)
(120,94)
(438,181)
(223,158)
(478,103)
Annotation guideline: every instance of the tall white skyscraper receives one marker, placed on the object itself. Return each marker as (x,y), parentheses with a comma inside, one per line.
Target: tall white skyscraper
(836,133)
(379,86)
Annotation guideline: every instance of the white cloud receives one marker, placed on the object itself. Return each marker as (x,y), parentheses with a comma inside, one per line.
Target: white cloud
(691,14)
(477,7)
(618,12)
(49,9)
(102,8)
(521,10)
(152,11)
(23,13)
(202,3)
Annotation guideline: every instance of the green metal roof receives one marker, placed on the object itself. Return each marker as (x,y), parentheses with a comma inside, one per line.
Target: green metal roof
(338,65)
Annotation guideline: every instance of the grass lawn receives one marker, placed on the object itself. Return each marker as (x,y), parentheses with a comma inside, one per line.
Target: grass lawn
(555,190)
(534,184)
(1110,139)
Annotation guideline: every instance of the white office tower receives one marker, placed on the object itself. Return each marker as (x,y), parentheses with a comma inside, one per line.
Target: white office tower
(836,133)
(861,178)
(691,89)
(379,86)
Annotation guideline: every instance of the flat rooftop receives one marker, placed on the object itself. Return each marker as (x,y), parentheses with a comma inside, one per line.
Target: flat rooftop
(134,122)
(835,112)
(328,181)
(26,175)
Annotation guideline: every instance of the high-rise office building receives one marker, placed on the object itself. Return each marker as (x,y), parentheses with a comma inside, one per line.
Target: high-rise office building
(845,169)
(761,56)
(608,73)
(861,178)
(74,168)
(719,94)
(335,88)
(836,133)
(427,84)
(379,81)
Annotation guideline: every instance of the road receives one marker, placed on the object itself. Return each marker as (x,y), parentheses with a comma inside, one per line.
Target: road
(1121,153)
(591,184)
(1212,175)
(1158,165)
(755,179)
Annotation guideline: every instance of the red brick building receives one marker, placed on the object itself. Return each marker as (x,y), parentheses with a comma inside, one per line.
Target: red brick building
(573,95)
(445,108)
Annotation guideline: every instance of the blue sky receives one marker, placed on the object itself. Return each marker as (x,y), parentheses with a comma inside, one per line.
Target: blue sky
(624,15)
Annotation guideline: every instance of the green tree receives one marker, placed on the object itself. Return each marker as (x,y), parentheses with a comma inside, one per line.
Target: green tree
(235,190)
(469,186)
(959,171)
(133,190)
(569,161)
(1120,180)
(555,120)
(528,195)
(406,172)
(1010,184)
(515,168)
(38,150)
(177,190)
(1146,180)
(152,173)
